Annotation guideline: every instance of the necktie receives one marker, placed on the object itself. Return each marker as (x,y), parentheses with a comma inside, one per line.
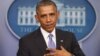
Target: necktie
(51,43)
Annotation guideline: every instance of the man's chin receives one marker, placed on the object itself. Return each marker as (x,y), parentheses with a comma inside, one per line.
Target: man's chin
(49,30)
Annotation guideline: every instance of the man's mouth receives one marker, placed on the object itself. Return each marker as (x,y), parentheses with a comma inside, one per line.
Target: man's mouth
(49,24)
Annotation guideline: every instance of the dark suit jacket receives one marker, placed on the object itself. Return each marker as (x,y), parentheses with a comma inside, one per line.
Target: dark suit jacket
(33,44)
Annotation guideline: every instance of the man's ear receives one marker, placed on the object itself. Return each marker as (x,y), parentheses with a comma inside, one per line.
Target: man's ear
(58,14)
(36,17)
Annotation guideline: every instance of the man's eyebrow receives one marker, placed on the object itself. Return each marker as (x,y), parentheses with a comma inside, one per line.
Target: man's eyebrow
(52,13)
(43,15)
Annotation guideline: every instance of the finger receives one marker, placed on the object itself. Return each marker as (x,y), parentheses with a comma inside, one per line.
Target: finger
(51,49)
(62,48)
(49,54)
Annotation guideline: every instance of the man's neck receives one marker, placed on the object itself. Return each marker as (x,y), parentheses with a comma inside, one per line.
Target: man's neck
(47,31)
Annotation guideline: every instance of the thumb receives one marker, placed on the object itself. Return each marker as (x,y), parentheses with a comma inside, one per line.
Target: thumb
(62,48)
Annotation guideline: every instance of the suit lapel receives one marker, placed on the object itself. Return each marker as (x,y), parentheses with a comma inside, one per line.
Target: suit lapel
(58,39)
(40,42)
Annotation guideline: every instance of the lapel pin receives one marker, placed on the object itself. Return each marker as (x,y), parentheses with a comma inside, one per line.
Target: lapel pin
(61,41)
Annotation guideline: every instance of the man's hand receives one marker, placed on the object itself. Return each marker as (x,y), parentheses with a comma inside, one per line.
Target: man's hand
(56,52)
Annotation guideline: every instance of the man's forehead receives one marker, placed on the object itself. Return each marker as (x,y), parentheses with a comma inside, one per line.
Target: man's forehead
(46,6)
(47,9)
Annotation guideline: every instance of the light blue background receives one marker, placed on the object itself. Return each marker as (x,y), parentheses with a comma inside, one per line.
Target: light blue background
(9,44)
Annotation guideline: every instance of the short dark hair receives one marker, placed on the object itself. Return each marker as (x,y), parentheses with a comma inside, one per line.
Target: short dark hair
(45,3)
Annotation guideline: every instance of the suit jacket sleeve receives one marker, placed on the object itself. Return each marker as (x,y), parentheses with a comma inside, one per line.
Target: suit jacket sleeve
(76,50)
(23,49)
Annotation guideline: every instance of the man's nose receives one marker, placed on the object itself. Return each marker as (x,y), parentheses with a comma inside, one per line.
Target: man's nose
(48,19)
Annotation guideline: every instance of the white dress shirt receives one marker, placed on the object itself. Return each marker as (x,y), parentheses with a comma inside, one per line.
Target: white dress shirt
(45,35)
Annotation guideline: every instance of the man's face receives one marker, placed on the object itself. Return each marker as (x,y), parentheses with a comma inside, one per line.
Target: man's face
(47,16)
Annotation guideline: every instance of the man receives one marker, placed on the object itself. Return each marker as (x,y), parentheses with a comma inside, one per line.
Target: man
(38,43)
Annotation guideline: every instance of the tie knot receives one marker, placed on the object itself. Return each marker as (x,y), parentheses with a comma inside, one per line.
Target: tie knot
(50,35)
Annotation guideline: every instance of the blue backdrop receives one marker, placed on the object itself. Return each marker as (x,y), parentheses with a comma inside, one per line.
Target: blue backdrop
(9,43)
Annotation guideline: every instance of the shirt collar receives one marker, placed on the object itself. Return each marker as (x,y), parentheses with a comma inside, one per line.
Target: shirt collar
(45,33)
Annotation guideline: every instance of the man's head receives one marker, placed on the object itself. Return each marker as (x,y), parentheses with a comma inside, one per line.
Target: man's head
(47,14)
